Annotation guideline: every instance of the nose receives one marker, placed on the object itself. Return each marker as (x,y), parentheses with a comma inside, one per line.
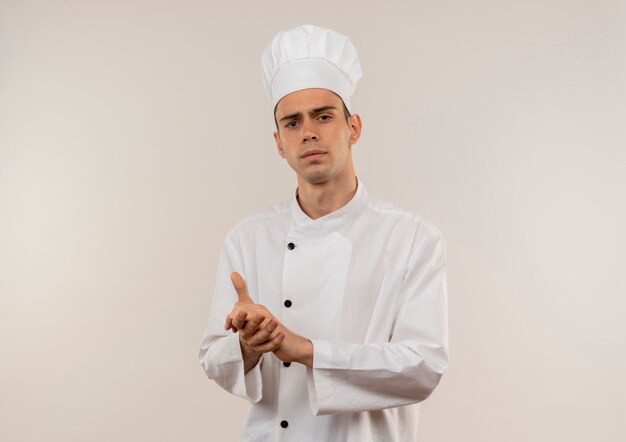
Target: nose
(308,131)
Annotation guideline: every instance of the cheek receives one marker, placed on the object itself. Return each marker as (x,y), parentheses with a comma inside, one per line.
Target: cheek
(340,133)
(284,145)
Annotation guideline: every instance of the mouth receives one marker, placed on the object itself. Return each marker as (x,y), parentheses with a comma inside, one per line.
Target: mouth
(313,154)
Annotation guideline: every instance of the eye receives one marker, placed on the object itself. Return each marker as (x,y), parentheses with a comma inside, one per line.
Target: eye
(291,124)
(325,117)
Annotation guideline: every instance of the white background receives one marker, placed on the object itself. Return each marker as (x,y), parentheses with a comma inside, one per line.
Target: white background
(134,134)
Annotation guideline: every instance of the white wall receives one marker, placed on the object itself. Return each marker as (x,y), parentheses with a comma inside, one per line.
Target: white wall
(134,134)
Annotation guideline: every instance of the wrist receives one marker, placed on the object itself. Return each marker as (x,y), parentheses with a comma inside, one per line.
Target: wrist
(306,353)
(246,350)
(250,357)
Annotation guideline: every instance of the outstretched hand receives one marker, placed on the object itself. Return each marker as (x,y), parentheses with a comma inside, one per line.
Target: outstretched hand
(244,303)
(261,332)
(258,328)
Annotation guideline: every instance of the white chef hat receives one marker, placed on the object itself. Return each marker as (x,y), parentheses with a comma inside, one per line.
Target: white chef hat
(310,57)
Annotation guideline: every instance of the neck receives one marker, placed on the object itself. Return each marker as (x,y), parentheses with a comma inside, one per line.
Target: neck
(319,199)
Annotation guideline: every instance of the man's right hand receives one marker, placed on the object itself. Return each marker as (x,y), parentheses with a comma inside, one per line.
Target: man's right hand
(259,331)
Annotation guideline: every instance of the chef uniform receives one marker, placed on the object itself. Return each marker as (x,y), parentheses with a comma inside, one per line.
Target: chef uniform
(366,284)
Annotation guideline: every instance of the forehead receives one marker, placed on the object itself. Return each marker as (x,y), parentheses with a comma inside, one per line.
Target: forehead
(306,99)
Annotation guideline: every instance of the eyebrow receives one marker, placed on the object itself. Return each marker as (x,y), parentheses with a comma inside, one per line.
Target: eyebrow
(312,112)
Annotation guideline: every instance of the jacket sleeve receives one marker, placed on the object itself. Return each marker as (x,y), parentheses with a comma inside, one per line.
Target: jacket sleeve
(220,351)
(348,377)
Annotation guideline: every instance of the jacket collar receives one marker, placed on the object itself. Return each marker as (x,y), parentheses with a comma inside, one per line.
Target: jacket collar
(306,226)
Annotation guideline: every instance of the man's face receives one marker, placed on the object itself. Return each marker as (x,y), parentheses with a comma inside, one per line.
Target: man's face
(312,120)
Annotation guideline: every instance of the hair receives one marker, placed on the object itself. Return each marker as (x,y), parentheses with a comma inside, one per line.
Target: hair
(346,113)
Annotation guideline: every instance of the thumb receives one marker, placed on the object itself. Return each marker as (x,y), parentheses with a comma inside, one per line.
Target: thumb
(242,290)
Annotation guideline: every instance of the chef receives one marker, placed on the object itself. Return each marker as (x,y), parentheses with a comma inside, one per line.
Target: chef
(329,313)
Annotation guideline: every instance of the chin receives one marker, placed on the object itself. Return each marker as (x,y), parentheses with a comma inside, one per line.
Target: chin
(316,178)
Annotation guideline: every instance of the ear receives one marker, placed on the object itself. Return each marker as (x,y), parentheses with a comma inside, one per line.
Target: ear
(355,128)
(279,145)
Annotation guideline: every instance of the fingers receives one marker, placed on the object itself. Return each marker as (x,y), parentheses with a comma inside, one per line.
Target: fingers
(232,317)
(261,335)
(239,319)
(248,314)
(229,324)
(240,287)
(251,325)
(271,345)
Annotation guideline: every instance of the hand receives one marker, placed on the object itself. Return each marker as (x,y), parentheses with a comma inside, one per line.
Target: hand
(294,348)
(244,303)
(257,334)
(287,346)
(260,332)
(257,327)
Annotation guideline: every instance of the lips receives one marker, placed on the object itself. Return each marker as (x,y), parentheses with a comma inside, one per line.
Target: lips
(312,152)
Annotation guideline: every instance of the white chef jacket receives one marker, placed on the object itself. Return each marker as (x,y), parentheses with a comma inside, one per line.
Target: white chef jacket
(367,285)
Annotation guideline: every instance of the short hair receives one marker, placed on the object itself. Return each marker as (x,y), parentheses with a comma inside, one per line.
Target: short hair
(346,113)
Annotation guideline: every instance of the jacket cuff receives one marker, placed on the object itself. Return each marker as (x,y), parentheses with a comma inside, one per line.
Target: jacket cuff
(320,378)
(248,385)
(254,382)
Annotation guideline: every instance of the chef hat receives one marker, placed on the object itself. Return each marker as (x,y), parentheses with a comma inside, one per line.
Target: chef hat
(310,57)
